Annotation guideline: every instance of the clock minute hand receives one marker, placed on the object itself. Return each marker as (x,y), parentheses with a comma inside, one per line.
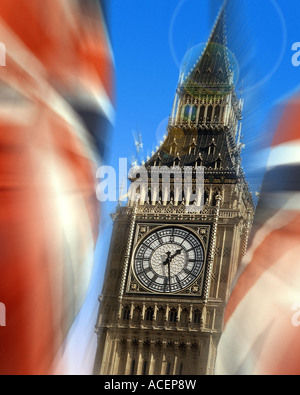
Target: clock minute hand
(168,262)
(169,273)
(178,252)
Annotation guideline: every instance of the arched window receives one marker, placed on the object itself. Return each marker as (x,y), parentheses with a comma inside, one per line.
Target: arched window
(197,317)
(126,313)
(186,112)
(217,114)
(194,113)
(218,164)
(199,161)
(137,314)
(177,161)
(212,148)
(173,316)
(201,114)
(149,314)
(209,114)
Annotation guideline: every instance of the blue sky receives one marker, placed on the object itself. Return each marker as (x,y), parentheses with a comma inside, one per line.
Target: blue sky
(151,37)
(149,40)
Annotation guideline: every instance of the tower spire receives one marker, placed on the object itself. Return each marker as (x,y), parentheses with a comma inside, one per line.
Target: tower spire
(213,66)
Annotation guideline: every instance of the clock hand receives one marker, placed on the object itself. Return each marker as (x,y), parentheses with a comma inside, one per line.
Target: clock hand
(169,272)
(168,260)
(171,257)
(178,252)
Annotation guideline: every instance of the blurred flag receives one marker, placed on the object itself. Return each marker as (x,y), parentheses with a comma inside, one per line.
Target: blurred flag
(262,323)
(55,105)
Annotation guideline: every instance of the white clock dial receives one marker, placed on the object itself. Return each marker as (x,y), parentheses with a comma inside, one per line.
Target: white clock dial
(169,260)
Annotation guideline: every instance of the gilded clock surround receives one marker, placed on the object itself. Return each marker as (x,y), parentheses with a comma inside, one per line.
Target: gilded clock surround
(143,230)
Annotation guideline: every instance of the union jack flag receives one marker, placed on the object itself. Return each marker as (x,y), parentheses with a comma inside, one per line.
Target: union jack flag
(55,104)
(262,327)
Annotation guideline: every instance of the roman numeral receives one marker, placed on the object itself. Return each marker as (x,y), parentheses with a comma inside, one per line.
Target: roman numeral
(155,278)
(191,249)
(178,281)
(165,284)
(160,240)
(184,240)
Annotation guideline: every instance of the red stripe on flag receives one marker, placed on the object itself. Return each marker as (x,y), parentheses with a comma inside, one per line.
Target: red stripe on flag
(288,128)
(264,257)
(49,213)
(72,47)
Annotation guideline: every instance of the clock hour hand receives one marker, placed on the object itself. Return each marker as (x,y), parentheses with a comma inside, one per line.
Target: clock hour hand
(171,257)
(168,260)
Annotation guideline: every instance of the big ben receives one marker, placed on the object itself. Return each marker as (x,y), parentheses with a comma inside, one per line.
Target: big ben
(172,261)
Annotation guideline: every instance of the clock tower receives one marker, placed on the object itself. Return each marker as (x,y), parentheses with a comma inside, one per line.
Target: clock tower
(170,268)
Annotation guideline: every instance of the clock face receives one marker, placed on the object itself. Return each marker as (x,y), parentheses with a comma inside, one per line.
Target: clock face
(169,260)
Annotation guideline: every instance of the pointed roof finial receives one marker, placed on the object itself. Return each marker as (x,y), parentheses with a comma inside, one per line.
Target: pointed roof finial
(213,64)
(139,143)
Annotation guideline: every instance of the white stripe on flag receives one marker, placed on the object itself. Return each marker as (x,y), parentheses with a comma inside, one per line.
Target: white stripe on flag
(259,312)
